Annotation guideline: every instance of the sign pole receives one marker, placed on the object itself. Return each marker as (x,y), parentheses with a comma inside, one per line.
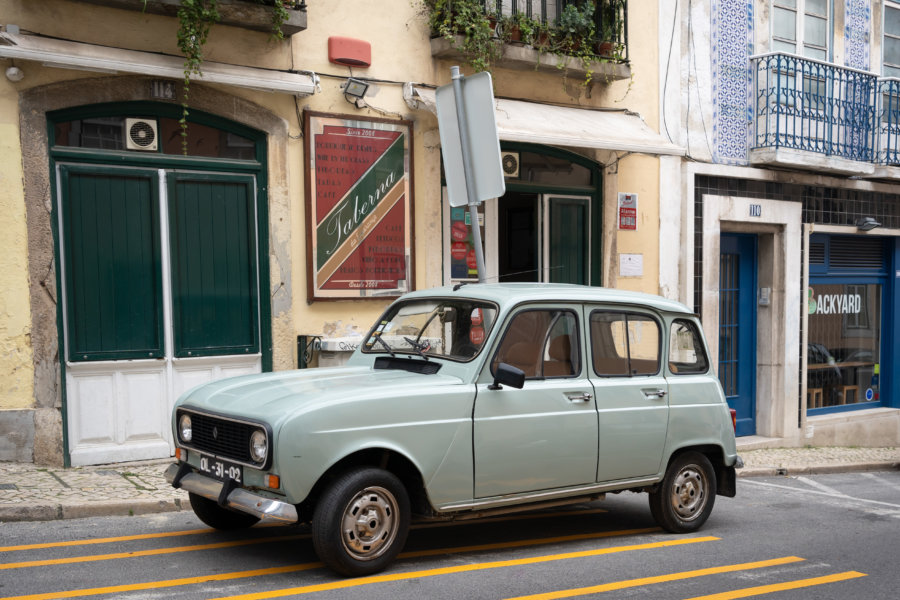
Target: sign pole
(467,170)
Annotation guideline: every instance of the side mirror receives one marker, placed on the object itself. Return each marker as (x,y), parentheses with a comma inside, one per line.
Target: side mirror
(508,375)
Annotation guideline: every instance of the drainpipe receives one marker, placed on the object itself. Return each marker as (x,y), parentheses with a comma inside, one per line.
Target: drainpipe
(804,324)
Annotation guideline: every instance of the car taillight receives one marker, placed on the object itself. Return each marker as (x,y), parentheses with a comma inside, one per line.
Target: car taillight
(733,419)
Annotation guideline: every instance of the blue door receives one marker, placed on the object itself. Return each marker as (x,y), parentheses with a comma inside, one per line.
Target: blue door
(737,327)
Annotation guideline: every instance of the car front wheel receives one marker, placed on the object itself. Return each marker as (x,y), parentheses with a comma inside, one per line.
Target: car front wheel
(361,521)
(685,498)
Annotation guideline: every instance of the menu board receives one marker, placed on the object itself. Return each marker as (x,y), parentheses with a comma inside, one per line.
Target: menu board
(358,207)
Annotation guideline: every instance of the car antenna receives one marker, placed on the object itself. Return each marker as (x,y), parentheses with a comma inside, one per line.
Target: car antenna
(459,285)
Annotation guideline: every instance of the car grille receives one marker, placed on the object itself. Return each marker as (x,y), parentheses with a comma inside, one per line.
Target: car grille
(221,437)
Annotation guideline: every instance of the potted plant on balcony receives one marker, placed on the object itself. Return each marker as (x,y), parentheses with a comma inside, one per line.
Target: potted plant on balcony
(518,28)
(611,13)
(468,27)
(575,28)
(575,36)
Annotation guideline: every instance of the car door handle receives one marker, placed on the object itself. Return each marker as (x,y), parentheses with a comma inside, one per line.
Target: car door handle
(579,397)
(655,393)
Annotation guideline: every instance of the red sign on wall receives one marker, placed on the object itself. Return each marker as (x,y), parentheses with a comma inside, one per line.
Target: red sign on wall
(628,211)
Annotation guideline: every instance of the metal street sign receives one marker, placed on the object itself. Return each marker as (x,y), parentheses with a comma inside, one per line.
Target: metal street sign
(469,135)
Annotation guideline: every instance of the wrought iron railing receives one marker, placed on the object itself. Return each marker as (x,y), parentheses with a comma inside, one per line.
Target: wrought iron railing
(805,104)
(609,19)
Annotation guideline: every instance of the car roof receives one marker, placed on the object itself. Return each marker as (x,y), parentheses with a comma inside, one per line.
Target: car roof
(507,294)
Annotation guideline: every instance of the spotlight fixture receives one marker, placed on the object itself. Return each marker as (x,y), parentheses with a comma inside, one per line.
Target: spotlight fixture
(867,223)
(355,88)
(15,74)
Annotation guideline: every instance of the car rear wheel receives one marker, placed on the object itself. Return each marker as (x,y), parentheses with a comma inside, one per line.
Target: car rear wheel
(361,521)
(217,517)
(685,498)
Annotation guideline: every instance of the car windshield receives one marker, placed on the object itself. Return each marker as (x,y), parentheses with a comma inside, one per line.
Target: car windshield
(454,329)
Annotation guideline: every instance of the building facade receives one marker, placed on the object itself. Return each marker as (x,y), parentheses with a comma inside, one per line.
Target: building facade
(306,194)
(788,225)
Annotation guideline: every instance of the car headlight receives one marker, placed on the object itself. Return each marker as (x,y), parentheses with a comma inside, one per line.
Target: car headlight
(259,446)
(185,433)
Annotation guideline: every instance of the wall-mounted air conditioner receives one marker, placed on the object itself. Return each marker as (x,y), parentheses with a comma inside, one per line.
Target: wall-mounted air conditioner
(141,134)
(510,162)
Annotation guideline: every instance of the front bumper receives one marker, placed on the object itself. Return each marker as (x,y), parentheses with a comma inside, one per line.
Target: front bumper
(266,509)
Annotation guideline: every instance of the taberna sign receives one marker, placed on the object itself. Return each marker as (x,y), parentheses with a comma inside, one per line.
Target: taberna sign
(834,304)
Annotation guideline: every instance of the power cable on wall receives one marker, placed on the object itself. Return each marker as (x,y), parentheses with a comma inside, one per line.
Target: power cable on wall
(693,54)
(668,66)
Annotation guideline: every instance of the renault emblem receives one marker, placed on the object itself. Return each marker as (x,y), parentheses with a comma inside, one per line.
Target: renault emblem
(215,433)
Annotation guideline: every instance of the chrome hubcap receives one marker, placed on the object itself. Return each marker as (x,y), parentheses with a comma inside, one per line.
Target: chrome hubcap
(689,493)
(370,523)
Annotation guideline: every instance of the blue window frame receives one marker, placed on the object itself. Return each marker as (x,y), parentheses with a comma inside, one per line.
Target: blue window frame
(849,300)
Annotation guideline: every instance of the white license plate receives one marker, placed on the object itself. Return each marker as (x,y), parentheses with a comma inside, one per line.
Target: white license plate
(221,469)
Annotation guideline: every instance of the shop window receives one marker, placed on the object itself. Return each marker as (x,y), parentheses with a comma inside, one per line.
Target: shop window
(844,347)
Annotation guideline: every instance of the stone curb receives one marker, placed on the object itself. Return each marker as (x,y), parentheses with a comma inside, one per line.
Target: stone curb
(110,508)
(816,469)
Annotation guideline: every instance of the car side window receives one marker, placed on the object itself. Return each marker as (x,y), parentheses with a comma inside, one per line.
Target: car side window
(686,353)
(543,343)
(624,344)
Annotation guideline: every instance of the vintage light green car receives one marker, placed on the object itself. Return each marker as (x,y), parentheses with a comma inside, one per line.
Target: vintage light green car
(461,402)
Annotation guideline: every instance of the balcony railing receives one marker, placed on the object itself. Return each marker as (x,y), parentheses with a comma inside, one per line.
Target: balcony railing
(807,105)
(596,24)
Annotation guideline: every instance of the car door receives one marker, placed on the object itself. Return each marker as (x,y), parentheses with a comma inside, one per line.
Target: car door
(631,392)
(544,435)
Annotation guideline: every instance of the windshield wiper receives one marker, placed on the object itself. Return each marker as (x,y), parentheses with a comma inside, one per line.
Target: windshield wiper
(419,347)
(385,344)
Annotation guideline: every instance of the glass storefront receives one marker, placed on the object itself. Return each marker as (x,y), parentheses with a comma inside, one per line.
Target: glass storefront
(844,344)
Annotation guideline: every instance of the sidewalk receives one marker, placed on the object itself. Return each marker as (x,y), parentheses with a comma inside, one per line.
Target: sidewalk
(33,493)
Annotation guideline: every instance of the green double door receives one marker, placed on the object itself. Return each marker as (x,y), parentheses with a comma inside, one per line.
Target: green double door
(160,280)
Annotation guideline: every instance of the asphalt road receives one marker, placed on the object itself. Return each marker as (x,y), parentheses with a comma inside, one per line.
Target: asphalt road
(827,536)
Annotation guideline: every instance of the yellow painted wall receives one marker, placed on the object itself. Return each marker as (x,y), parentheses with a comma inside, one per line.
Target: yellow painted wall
(638,173)
(16,365)
(400,53)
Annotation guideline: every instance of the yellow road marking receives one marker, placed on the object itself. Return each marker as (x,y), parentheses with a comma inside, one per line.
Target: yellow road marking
(533,542)
(153,585)
(780,587)
(630,583)
(348,583)
(109,540)
(138,553)
(307,566)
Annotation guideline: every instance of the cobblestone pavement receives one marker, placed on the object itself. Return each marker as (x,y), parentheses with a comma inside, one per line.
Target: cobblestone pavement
(791,461)
(33,493)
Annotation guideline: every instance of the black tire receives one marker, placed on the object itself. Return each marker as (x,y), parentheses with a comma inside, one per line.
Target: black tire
(217,517)
(361,521)
(685,498)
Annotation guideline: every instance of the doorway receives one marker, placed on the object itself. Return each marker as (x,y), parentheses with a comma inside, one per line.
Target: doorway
(544,238)
(737,327)
(159,271)
(545,228)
